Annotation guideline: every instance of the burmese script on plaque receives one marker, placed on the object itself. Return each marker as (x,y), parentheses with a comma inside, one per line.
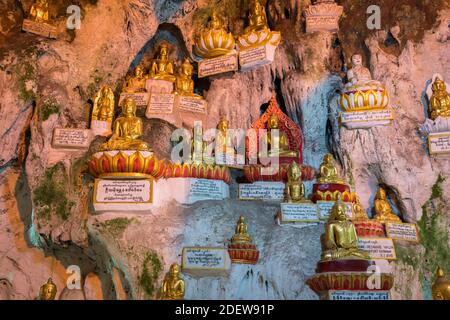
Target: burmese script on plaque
(378,248)
(218,65)
(123,191)
(71,138)
(261,191)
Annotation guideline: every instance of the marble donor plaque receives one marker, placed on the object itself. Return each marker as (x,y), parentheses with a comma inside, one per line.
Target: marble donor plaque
(439,143)
(358,295)
(206,262)
(378,248)
(209,67)
(324,208)
(257,56)
(41,29)
(191,104)
(366,119)
(402,231)
(299,212)
(206,189)
(123,195)
(262,191)
(160,103)
(141,98)
(71,138)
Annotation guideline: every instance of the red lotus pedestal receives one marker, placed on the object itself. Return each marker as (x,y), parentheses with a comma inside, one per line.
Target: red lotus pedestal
(254,173)
(369,229)
(331,191)
(199,171)
(243,253)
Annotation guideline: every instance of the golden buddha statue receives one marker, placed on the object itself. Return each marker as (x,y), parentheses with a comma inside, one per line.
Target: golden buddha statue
(136,83)
(359,213)
(184,85)
(257,18)
(383,210)
(48,291)
(127,130)
(340,240)
(173,284)
(39,11)
(295,189)
(441,287)
(328,171)
(241,235)
(103,105)
(440,100)
(214,41)
(224,143)
(162,68)
(278,144)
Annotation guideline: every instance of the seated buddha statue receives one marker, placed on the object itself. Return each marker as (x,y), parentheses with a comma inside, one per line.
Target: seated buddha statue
(184,85)
(173,286)
(257,17)
(439,100)
(48,291)
(103,109)
(328,171)
(295,189)
(39,11)
(162,68)
(127,130)
(277,141)
(136,83)
(241,235)
(441,286)
(224,143)
(383,210)
(340,240)
(359,213)
(358,75)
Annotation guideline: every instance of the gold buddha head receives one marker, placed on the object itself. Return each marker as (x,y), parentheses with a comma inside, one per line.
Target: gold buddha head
(186,68)
(356,60)
(274,122)
(48,290)
(42,3)
(381,194)
(129,107)
(439,86)
(139,72)
(216,21)
(328,158)
(294,172)
(174,271)
(163,52)
(223,124)
(339,212)
(256,8)
(441,286)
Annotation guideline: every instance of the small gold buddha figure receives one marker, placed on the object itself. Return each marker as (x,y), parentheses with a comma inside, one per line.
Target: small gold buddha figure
(257,17)
(136,83)
(224,143)
(359,213)
(198,145)
(127,130)
(162,68)
(103,105)
(173,285)
(383,210)
(295,189)
(214,40)
(241,235)
(48,291)
(39,11)
(340,240)
(328,171)
(278,144)
(441,287)
(184,85)
(440,100)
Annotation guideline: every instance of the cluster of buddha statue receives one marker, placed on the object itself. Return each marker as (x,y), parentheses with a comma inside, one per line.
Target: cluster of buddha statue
(328,171)
(439,100)
(294,189)
(340,240)
(173,286)
(127,130)
(39,11)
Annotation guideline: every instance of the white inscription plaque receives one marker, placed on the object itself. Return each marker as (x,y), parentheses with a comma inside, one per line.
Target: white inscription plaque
(71,138)
(262,191)
(206,262)
(378,248)
(299,212)
(402,231)
(439,143)
(358,295)
(209,67)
